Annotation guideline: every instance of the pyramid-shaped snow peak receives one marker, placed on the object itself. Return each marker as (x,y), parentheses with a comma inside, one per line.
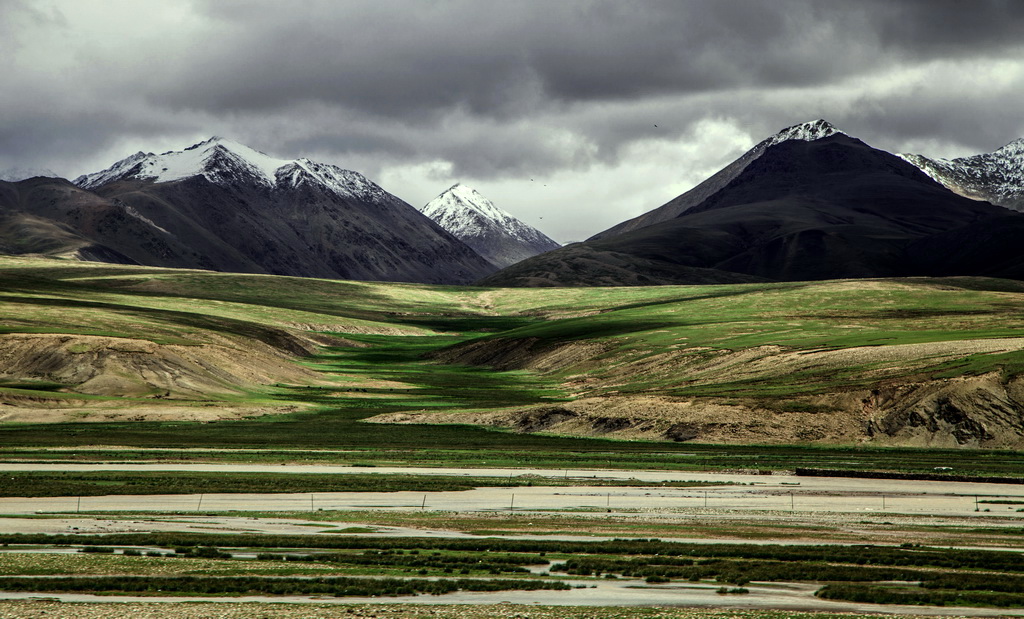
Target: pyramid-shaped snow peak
(459,203)
(493,233)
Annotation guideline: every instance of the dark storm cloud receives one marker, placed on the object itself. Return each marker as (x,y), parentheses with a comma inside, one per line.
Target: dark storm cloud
(495,59)
(979,122)
(928,27)
(460,66)
(498,89)
(505,59)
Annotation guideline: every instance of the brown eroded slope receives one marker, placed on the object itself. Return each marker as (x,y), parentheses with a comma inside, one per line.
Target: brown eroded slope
(911,362)
(95,378)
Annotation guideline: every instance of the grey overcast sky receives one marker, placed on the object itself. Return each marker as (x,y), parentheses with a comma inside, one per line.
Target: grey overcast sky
(573,115)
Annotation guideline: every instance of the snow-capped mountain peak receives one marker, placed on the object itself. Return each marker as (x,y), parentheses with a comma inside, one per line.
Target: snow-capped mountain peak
(462,197)
(224,161)
(808,131)
(492,232)
(464,211)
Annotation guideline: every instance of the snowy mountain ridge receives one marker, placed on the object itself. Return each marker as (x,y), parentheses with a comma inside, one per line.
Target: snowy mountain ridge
(808,132)
(227,162)
(224,206)
(996,177)
(489,230)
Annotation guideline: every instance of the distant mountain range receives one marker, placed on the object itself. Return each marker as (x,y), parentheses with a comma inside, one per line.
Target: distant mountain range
(491,232)
(221,205)
(808,203)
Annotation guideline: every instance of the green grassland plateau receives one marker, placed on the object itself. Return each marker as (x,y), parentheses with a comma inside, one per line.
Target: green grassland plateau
(144,358)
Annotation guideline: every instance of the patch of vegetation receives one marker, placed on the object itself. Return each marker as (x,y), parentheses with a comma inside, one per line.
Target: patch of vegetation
(542,452)
(895,594)
(241,585)
(909,574)
(466,563)
(590,555)
(104,483)
(875,474)
(735,571)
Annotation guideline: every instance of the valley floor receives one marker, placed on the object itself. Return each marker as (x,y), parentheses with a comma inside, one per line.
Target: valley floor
(223,431)
(772,510)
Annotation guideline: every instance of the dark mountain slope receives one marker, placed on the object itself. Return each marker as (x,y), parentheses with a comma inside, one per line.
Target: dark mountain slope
(52,217)
(222,206)
(820,209)
(991,247)
(304,231)
(586,264)
(813,130)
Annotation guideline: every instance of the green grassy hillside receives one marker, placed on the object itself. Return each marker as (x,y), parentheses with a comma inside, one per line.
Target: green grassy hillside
(119,355)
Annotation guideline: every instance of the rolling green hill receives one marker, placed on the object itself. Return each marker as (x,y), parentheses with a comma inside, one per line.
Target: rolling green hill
(126,355)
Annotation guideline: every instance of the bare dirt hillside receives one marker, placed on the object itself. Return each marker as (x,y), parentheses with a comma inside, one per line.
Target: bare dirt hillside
(156,381)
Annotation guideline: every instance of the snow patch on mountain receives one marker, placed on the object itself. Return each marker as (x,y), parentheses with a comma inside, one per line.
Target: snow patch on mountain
(996,177)
(227,162)
(808,131)
(1013,149)
(132,212)
(13,175)
(489,230)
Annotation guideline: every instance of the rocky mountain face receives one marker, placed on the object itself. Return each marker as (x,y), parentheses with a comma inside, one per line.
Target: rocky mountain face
(809,203)
(491,232)
(996,177)
(223,206)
